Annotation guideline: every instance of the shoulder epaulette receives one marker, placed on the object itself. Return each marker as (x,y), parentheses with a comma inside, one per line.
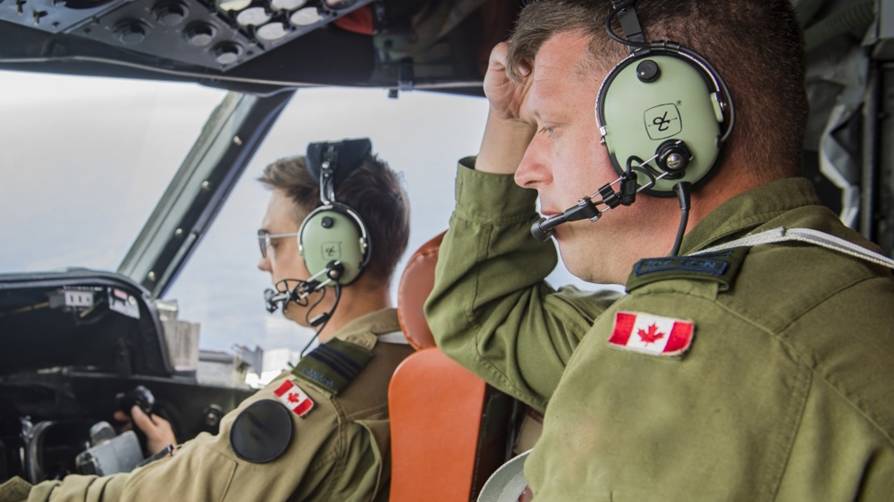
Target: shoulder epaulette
(333,365)
(721,267)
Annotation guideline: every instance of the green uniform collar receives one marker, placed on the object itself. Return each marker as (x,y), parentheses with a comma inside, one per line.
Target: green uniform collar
(737,216)
(364,329)
(750,210)
(333,365)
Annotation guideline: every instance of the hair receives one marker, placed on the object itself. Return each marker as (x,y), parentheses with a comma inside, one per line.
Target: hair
(373,191)
(756,46)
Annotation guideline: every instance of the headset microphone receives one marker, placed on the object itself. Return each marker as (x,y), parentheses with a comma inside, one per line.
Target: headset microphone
(275,300)
(585,209)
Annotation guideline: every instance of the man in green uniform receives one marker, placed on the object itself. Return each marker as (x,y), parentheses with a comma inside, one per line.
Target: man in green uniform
(320,431)
(761,372)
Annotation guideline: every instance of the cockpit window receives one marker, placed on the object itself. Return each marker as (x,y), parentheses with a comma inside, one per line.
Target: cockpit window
(84,161)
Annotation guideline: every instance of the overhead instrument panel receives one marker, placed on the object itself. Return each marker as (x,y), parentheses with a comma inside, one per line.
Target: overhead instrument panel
(217,34)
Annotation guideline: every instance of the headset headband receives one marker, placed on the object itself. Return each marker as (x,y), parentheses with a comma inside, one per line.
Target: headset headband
(330,163)
(625,11)
(333,233)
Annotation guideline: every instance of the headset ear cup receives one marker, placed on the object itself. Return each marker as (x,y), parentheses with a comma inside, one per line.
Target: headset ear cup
(334,233)
(654,100)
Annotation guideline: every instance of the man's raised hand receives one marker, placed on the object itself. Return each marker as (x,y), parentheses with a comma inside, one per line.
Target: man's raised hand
(506,136)
(504,93)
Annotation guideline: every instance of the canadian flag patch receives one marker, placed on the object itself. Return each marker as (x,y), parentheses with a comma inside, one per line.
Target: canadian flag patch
(651,334)
(294,398)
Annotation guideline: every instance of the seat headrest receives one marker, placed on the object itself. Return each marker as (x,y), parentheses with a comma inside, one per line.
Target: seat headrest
(416,283)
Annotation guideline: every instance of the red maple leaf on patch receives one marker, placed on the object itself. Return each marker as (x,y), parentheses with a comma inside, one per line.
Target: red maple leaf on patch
(293,398)
(650,336)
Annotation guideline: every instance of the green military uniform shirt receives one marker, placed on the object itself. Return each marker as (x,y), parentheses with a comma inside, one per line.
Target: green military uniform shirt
(339,450)
(787,391)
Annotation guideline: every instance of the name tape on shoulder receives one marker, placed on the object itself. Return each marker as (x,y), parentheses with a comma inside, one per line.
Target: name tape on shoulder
(294,398)
(651,334)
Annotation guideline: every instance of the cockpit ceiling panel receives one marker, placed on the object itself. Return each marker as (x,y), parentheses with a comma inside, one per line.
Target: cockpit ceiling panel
(54,16)
(214,34)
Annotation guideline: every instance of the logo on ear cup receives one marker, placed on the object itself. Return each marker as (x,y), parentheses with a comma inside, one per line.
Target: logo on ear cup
(663,121)
(331,250)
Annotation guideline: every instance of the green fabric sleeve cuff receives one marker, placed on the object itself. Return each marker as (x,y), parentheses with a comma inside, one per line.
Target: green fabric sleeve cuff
(491,198)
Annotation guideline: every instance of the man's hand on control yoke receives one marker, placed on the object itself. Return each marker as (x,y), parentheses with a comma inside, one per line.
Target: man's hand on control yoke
(506,136)
(158,431)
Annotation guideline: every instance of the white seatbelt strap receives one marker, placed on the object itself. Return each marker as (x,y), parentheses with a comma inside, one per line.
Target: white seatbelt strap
(805,235)
(395,337)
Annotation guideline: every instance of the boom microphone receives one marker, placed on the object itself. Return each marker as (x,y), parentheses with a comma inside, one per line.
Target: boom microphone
(543,229)
(275,300)
(586,208)
(272,299)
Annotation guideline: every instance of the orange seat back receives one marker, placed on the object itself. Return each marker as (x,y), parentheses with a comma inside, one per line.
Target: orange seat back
(435,410)
(448,428)
(415,285)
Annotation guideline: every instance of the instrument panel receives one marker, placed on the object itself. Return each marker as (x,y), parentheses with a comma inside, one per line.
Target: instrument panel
(215,34)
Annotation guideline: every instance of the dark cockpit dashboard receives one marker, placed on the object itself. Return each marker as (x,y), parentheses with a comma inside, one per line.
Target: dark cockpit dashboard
(72,342)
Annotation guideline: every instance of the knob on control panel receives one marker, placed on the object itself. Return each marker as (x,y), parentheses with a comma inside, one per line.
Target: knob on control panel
(130,31)
(227,53)
(306,16)
(199,34)
(170,13)
(339,4)
(254,16)
(271,32)
(289,5)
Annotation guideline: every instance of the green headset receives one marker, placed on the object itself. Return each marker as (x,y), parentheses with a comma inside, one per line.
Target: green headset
(664,111)
(664,115)
(333,240)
